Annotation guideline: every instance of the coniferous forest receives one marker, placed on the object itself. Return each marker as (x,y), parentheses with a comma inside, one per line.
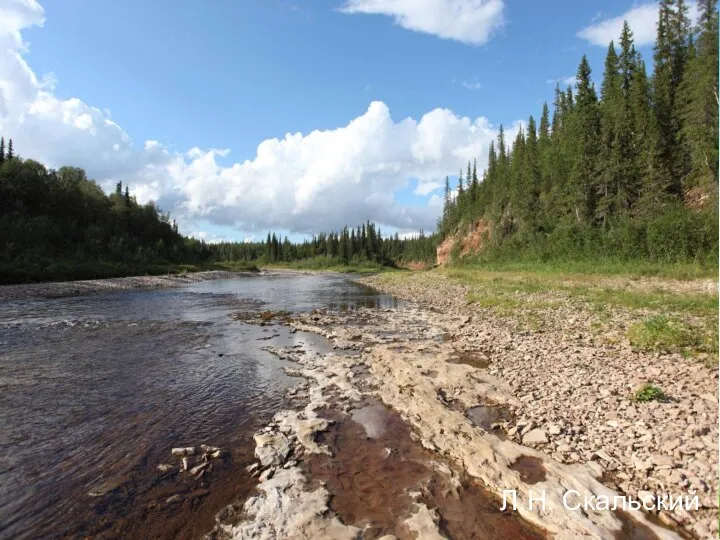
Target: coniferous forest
(624,168)
(58,224)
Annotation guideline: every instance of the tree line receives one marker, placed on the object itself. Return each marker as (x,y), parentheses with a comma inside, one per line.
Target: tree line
(361,245)
(59,224)
(631,171)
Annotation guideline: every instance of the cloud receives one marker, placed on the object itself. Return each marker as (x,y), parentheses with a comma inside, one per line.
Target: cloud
(472,85)
(469,21)
(426,188)
(300,183)
(566,81)
(641,18)
(209,238)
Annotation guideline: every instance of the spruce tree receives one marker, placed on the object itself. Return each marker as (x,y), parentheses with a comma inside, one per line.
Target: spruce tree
(531,178)
(10,153)
(585,130)
(698,103)
(612,159)
(2,150)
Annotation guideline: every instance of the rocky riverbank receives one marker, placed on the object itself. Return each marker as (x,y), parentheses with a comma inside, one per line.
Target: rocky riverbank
(489,406)
(61,289)
(570,377)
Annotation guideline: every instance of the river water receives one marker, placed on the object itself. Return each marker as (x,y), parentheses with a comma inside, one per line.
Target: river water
(96,390)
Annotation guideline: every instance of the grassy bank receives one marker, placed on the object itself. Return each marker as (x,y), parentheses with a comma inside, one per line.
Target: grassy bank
(332,264)
(597,267)
(652,313)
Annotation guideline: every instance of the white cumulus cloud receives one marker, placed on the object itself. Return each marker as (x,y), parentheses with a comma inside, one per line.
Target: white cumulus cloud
(570,80)
(301,183)
(468,21)
(642,20)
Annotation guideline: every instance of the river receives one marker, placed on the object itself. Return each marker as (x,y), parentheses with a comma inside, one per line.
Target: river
(95,391)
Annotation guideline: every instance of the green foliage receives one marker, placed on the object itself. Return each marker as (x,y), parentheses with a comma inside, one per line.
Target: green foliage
(648,393)
(614,178)
(59,225)
(659,333)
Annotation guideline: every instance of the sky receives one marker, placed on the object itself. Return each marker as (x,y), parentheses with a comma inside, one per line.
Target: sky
(296,116)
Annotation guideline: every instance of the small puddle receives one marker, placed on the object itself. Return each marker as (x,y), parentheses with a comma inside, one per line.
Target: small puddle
(376,465)
(474,359)
(485,416)
(374,419)
(631,529)
(531,469)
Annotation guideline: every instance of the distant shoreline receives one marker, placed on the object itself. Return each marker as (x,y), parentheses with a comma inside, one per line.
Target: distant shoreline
(61,289)
(64,289)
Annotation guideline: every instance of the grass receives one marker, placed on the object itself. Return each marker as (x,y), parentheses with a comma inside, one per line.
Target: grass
(664,316)
(649,393)
(600,267)
(591,289)
(660,333)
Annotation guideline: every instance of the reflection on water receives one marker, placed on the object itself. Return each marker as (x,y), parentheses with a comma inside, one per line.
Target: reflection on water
(95,390)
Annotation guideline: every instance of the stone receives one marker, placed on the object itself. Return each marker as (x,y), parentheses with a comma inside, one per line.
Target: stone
(226,514)
(266,475)
(662,461)
(271,448)
(180,452)
(554,429)
(199,468)
(601,454)
(595,468)
(535,436)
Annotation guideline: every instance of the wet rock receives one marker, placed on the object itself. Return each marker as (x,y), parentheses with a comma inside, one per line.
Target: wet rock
(199,468)
(226,514)
(174,499)
(424,523)
(271,448)
(165,468)
(180,452)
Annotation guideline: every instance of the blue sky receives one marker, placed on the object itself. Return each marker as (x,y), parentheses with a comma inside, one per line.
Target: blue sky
(229,75)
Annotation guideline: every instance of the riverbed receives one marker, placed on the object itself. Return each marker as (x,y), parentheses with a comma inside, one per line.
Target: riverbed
(96,390)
